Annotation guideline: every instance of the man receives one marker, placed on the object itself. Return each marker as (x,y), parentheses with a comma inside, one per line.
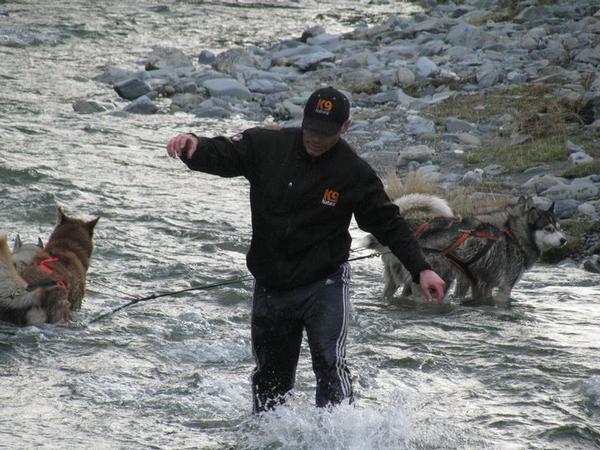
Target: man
(305,184)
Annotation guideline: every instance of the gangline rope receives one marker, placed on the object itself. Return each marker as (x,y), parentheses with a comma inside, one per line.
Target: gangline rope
(227,282)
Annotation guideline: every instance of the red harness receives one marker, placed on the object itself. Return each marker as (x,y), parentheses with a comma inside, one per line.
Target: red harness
(43,264)
(448,252)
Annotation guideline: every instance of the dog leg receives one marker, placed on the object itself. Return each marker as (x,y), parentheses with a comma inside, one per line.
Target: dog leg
(407,290)
(462,286)
(503,295)
(482,294)
(35,316)
(389,284)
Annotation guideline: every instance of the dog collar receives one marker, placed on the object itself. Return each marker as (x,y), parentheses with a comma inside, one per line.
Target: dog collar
(44,264)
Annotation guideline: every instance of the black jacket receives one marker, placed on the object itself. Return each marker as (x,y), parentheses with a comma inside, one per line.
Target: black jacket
(302,206)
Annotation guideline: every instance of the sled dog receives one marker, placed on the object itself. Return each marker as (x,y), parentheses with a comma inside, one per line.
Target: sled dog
(23,254)
(52,285)
(487,258)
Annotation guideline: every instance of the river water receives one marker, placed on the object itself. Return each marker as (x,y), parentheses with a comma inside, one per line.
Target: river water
(174,372)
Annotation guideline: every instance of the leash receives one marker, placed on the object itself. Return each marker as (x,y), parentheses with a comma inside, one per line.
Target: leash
(195,288)
(170,293)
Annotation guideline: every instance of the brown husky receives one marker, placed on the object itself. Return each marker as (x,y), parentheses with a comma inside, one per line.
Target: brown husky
(54,282)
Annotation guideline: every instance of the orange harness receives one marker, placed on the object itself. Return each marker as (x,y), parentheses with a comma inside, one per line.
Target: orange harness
(448,252)
(43,264)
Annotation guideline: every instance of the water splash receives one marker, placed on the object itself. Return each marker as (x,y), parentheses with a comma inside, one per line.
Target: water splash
(393,424)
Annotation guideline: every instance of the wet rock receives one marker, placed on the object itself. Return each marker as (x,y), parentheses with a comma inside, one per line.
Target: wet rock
(206,57)
(311,32)
(162,57)
(88,107)
(186,101)
(114,75)
(267,86)
(132,88)
(141,105)
(227,87)
(592,264)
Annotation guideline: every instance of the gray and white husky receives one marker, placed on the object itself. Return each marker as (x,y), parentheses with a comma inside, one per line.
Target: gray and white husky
(489,258)
(23,254)
(14,292)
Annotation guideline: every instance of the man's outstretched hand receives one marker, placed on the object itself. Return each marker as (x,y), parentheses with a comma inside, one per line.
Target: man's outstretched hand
(185,144)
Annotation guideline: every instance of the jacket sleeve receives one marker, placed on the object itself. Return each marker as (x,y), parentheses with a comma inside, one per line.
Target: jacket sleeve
(377,215)
(223,156)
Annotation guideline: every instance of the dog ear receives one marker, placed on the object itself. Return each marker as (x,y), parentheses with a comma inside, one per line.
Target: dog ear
(91,224)
(533,215)
(551,209)
(526,204)
(18,243)
(40,243)
(61,217)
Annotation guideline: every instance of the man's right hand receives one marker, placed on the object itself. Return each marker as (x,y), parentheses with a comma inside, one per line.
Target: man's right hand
(182,144)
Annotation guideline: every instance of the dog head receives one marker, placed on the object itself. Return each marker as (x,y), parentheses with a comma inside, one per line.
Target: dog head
(23,254)
(73,230)
(542,224)
(546,229)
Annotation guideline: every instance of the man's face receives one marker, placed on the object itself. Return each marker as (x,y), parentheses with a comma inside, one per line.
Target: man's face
(316,144)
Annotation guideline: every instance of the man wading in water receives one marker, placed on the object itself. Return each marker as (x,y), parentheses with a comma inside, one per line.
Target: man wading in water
(305,184)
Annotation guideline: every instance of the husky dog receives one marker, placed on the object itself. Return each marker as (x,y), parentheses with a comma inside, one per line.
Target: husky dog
(23,254)
(14,294)
(53,284)
(527,232)
(486,256)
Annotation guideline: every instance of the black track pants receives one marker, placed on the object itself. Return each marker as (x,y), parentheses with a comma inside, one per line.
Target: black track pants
(278,319)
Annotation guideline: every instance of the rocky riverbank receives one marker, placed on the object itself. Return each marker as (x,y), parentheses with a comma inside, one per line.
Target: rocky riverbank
(483,96)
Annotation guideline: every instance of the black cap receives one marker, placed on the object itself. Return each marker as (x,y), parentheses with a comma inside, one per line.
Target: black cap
(326,110)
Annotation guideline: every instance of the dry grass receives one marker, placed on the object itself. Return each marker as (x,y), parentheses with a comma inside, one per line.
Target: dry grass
(481,106)
(413,183)
(460,199)
(517,158)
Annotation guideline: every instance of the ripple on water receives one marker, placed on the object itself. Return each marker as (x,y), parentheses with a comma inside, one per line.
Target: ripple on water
(591,389)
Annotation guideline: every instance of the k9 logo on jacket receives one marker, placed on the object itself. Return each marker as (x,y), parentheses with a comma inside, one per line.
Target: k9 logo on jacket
(330,197)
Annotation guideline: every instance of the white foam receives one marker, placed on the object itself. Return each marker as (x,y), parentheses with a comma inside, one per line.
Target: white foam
(392,425)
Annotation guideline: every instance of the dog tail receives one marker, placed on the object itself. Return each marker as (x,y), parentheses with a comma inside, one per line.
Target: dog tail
(436,206)
(13,288)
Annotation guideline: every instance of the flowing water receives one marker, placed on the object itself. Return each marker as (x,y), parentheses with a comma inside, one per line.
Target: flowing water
(173,372)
